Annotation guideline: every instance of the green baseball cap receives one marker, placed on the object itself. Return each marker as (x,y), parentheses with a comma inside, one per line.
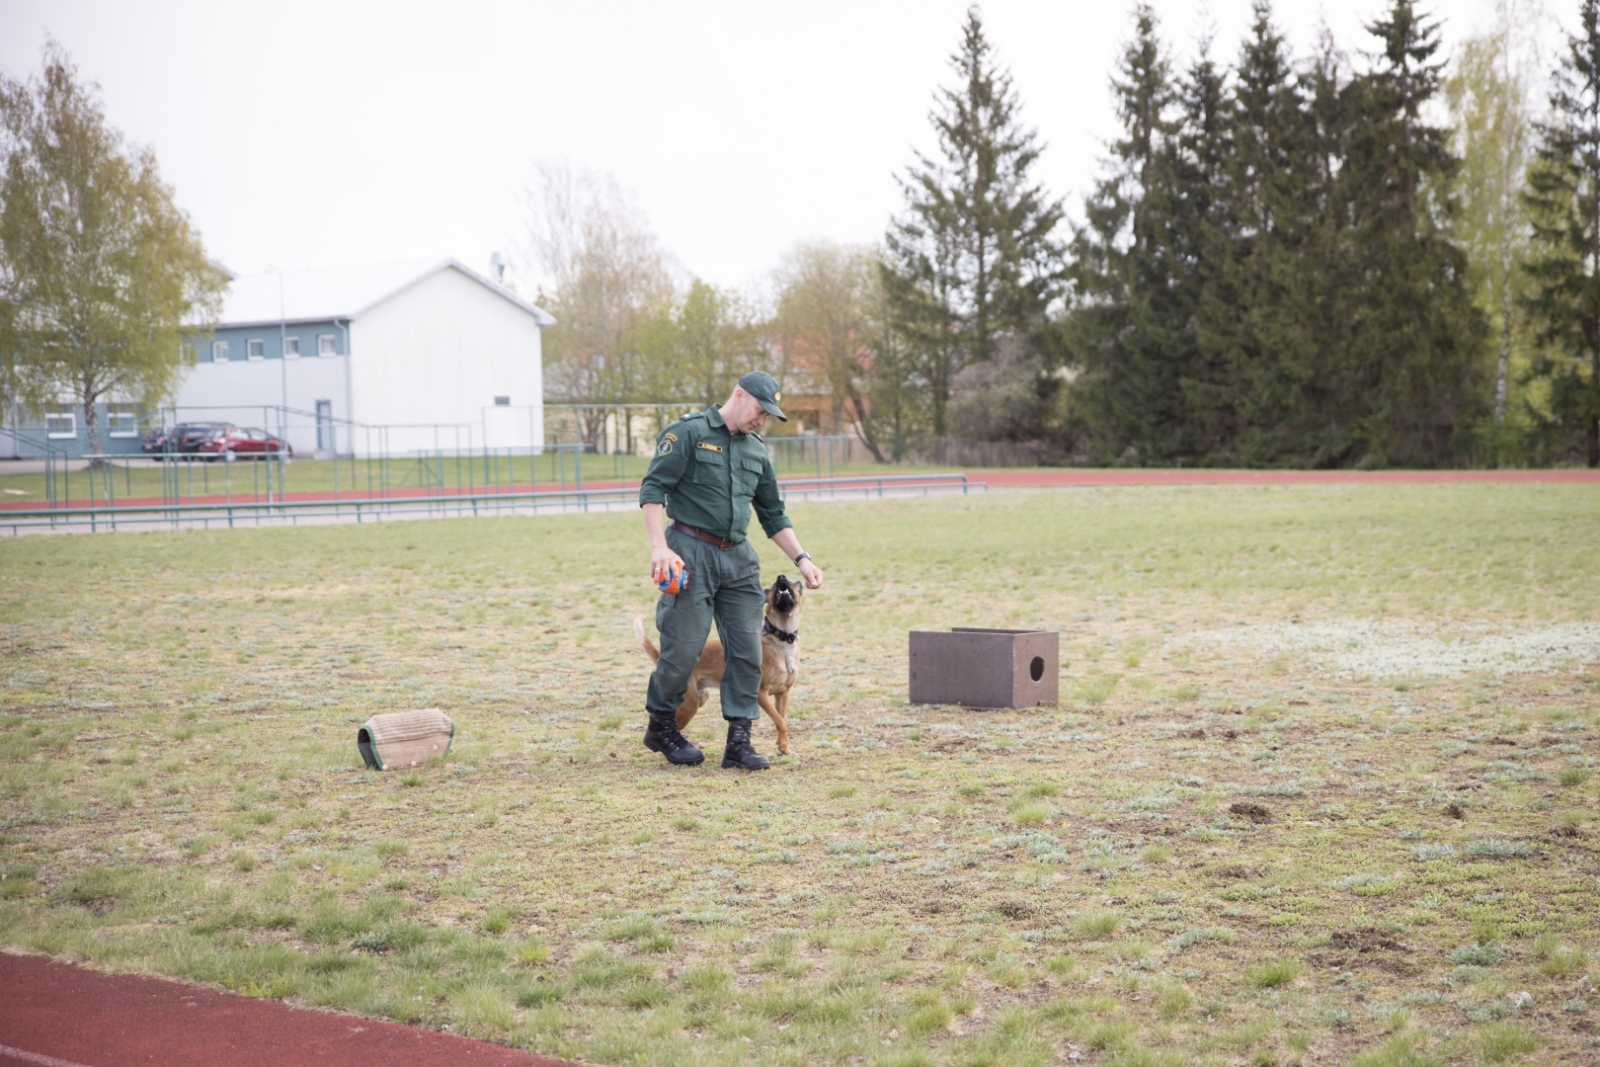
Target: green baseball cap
(764,387)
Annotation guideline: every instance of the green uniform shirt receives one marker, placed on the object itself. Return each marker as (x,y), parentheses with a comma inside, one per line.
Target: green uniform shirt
(709,477)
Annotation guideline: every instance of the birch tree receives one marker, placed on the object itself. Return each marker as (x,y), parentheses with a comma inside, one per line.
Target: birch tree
(99,268)
(603,275)
(823,324)
(1490,99)
(716,341)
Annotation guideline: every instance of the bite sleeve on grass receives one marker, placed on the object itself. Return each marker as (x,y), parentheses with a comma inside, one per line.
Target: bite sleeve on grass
(405,738)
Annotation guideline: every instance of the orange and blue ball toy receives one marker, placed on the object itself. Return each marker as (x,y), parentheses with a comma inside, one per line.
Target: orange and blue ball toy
(676,581)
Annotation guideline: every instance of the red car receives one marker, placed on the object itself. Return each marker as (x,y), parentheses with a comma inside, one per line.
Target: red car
(231,441)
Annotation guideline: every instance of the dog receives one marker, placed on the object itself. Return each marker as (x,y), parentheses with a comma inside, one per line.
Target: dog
(780,660)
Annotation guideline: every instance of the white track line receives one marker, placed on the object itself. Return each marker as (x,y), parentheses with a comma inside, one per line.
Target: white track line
(36,1057)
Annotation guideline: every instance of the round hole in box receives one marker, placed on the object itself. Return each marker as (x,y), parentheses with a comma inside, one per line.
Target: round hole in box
(1036,668)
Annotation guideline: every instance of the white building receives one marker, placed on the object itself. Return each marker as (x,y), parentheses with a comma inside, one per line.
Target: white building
(395,358)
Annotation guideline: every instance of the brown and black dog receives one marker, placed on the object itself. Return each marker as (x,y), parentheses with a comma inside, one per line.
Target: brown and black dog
(780,660)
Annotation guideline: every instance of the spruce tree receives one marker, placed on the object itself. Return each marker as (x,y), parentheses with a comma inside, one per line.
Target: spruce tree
(1191,202)
(1122,331)
(1564,204)
(1328,286)
(1411,384)
(1258,351)
(974,255)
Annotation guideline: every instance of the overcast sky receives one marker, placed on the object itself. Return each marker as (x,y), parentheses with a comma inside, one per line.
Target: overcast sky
(316,134)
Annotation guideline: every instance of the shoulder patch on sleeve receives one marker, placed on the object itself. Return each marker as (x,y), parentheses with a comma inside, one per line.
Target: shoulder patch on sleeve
(665,449)
(671,436)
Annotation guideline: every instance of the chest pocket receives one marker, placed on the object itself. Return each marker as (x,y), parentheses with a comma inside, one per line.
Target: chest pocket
(710,468)
(747,474)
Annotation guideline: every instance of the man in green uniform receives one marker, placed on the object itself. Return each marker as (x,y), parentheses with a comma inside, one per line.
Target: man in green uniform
(709,468)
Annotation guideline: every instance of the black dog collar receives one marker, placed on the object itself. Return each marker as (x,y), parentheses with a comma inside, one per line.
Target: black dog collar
(782,635)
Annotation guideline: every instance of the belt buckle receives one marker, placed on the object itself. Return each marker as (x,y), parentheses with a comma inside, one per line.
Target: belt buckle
(724,544)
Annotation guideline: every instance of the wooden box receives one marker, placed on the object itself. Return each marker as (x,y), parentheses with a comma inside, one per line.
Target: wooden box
(979,667)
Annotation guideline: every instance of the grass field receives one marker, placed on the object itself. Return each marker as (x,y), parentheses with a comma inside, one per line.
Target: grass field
(1263,826)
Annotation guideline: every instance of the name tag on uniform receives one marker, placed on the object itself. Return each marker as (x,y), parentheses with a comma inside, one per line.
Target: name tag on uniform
(708,446)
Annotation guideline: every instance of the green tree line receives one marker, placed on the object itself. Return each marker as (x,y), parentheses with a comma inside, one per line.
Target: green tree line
(1288,264)
(1288,261)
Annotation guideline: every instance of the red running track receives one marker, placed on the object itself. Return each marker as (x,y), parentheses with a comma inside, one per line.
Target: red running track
(1052,477)
(55,1015)
(1070,476)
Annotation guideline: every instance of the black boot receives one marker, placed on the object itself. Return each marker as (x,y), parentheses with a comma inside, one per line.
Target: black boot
(739,753)
(662,736)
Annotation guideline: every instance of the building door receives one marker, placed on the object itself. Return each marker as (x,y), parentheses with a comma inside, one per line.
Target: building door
(325,439)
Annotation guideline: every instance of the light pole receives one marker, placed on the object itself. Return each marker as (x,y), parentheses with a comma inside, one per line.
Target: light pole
(283,357)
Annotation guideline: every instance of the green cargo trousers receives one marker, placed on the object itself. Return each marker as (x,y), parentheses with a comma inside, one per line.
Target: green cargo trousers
(725,586)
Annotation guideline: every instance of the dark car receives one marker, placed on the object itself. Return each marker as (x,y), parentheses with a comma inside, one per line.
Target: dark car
(249,442)
(188,436)
(155,440)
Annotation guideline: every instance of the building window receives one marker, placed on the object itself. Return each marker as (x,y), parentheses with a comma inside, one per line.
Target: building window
(291,348)
(325,345)
(502,401)
(219,351)
(122,420)
(61,420)
(255,348)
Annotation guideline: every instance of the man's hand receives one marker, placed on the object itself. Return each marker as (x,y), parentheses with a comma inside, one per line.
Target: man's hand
(663,561)
(789,545)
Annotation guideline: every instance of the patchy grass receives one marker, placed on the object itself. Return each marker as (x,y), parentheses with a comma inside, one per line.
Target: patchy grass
(1272,974)
(1207,853)
(1096,927)
(1506,1043)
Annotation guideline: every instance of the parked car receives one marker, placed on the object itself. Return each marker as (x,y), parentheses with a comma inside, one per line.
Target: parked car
(188,436)
(155,440)
(232,441)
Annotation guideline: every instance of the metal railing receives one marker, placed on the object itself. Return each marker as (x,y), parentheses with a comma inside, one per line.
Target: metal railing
(849,486)
(783,450)
(57,461)
(233,514)
(454,459)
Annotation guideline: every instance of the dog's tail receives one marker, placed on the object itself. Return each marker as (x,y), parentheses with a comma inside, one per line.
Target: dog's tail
(644,639)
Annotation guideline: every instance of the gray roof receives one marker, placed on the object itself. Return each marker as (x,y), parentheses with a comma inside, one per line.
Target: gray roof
(329,293)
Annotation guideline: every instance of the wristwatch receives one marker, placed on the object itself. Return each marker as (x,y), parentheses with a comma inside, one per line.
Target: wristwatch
(801,556)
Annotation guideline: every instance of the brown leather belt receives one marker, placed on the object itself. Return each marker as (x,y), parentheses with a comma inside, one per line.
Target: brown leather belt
(701,535)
